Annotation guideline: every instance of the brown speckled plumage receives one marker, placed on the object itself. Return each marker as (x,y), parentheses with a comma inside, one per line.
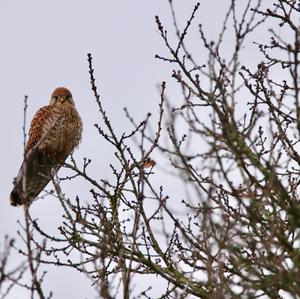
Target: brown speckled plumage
(55,131)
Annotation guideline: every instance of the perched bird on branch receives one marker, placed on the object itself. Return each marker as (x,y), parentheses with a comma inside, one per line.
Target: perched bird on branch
(55,131)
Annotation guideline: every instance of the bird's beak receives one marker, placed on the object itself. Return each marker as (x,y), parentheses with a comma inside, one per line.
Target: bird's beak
(64,99)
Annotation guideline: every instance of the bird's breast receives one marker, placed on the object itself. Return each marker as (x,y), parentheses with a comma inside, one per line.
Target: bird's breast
(65,134)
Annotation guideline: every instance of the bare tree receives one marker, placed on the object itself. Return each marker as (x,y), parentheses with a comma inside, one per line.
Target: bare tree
(232,142)
(10,275)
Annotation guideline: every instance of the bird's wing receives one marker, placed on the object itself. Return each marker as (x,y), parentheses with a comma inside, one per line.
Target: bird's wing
(42,125)
(38,165)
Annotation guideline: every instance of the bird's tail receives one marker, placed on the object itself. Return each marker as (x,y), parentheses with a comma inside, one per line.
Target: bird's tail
(17,195)
(32,178)
(16,198)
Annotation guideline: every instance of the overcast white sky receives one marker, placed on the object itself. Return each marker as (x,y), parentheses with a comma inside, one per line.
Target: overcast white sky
(44,45)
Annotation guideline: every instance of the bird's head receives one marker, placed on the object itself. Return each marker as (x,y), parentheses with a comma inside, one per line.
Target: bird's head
(61,96)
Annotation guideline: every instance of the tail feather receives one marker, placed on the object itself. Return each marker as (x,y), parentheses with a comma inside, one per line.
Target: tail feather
(15,198)
(37,173)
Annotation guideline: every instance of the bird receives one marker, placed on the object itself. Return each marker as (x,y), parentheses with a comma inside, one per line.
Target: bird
(55,131)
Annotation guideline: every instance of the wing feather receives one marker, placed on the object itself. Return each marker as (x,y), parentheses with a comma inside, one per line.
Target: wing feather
(38,166)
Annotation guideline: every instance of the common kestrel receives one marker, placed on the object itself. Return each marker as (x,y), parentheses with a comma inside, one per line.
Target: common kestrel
(55,131)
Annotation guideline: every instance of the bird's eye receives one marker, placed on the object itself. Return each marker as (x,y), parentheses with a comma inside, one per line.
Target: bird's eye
(55,98)
(69,98)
